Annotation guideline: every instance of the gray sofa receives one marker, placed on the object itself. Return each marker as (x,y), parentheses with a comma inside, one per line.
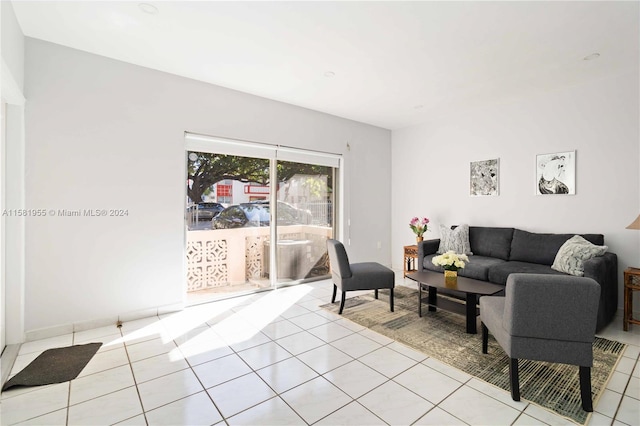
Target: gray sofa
(498,252)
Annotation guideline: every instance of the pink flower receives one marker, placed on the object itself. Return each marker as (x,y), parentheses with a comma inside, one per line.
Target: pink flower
(419,226)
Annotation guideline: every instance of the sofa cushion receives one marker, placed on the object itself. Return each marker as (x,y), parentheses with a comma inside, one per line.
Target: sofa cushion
(428,264)
(573,253)
(542,248)
(454,239)
(477,267)
(499,273)
(491,242)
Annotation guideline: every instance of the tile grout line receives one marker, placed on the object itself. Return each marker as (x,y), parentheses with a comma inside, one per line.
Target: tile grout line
(624,392)
(356,400)
(277,394)
(73,341)
(135,381)
(68,404)
(329,344)
(191,367)
(462,384)
(389,379)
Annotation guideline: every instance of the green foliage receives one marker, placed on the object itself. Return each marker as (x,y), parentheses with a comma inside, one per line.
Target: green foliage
(208,169)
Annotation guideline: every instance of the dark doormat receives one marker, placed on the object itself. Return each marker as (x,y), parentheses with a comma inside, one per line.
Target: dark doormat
(54,366)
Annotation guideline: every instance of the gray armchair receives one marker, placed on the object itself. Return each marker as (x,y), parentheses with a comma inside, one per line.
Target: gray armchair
(357,276)
(549,318)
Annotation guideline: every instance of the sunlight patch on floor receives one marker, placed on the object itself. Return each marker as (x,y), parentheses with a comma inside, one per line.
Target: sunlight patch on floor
(240,321)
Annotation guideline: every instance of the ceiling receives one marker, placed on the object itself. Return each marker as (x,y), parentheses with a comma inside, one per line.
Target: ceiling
(390,64)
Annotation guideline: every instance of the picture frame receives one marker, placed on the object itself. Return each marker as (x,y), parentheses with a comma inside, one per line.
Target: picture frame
(556,173)
(484,178)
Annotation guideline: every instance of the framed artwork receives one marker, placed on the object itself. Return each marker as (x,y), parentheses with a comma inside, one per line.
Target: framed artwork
(484,177)
(556,173)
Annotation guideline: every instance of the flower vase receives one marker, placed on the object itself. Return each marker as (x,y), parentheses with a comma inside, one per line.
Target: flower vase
(419,240)
(450,278)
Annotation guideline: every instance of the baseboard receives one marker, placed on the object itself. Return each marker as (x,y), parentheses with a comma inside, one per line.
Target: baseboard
(45,333)
(58,330)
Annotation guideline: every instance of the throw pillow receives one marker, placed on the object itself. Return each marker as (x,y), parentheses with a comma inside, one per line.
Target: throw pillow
(454,239)
(572,254)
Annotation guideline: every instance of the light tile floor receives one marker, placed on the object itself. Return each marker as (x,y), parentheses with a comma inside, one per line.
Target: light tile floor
(278,358)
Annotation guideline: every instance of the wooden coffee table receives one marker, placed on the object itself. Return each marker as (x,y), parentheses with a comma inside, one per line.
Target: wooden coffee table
(472,289)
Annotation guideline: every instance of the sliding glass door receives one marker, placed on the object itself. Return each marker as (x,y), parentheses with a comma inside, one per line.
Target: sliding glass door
(253,220)
(226,226)
(305,220)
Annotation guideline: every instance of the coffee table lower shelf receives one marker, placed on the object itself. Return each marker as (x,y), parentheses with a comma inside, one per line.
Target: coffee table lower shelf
(467,307)
(471,289)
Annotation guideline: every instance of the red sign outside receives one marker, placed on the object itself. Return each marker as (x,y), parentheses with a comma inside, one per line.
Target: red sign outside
(223,190)
(256,189)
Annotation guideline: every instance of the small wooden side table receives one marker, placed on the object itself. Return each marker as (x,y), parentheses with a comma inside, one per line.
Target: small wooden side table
(631,284)
(410,259)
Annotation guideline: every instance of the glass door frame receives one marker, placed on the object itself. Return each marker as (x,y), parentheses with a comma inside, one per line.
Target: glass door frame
(273,223)
(274,153)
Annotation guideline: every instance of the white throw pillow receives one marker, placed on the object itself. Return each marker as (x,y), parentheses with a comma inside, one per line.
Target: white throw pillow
(455,239)
(571,256)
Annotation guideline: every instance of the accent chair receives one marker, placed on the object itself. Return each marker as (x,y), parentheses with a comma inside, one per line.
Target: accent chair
(357,276)
(548,318)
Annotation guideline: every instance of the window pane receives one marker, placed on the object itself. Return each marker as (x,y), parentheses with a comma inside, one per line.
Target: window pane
(225,248)
(305,220)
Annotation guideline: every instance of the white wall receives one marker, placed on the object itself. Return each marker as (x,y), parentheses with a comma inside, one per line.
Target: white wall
(600,120)
(12,43)
(102,134)
(12,250)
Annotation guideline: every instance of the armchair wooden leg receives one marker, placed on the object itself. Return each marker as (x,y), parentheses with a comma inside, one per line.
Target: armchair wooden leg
(376,293)
(335,289)
(585,389)
(485,338)
(344,296)
(391,299)
(515,381)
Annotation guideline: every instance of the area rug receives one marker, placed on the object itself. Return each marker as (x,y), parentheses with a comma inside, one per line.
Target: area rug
(441,335)
(54,366)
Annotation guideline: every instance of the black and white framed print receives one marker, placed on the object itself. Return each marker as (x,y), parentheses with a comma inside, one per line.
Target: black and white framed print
(556,173)
(484,177)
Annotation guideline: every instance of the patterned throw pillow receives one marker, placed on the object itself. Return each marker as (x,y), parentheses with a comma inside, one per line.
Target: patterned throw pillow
(571,256)
(454,239)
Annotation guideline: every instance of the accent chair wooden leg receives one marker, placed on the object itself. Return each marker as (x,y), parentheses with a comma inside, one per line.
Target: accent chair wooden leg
(333,298)
(376,292)
(485,338)
(585,389)
(515,381)
(391,299)
(344,296)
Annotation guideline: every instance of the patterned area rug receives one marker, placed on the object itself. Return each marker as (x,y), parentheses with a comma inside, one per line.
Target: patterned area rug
(442,335)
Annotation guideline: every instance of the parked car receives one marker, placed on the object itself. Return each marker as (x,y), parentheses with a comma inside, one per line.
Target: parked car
(213,208)
(241,215)
(257,214)
(286,210)
(205,210)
